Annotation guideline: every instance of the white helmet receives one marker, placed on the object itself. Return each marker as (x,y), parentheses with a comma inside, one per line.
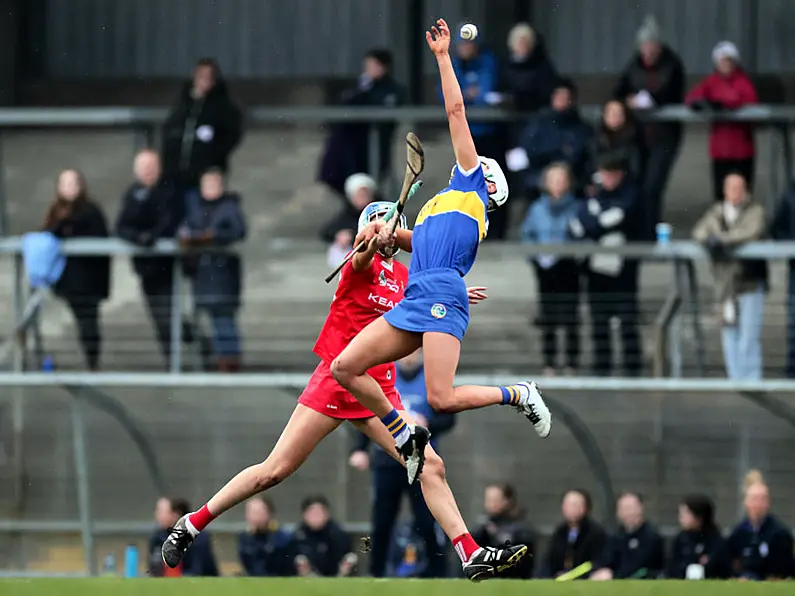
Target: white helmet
(377,210)
(493,173)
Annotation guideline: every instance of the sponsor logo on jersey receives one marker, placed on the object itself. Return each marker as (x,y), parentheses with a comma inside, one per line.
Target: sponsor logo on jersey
(438,311)
(384,303)
(389,284)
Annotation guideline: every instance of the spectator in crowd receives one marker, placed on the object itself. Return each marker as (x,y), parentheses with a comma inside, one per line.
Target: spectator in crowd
(347,150)
(620,136)
(360,190)
(320,546)
(636,550)
(264,548)
(577,540)
(389,477)
(558,279)
(731,144)
(654,77)
(505,521)
(214,218)
(740,285)
(610,219)
(85,281)
(203,128)
(558,135)
(783,228)
(760,547)
(150,211)
(529,76)
(698,551)
(339,249)
(199,561)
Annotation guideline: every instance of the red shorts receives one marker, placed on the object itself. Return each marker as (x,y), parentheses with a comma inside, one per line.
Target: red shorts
(323,394)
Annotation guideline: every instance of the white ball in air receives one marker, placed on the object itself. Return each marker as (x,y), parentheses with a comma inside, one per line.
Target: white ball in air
(469,32)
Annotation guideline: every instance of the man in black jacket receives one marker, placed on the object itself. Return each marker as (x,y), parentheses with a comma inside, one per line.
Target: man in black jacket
(151,210)
(654,77)
(203,128)
(577,540)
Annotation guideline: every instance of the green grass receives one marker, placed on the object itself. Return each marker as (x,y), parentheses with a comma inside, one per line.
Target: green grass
(370,587)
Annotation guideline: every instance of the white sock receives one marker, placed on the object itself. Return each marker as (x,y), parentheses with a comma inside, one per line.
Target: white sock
(191,528)
(404,435)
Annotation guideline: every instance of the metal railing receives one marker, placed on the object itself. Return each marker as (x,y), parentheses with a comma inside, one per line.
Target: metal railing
(144,122)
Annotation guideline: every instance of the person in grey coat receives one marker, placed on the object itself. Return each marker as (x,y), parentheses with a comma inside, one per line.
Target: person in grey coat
(214,218)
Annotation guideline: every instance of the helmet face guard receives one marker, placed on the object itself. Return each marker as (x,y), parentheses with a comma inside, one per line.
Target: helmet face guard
(378,210)
(493,173)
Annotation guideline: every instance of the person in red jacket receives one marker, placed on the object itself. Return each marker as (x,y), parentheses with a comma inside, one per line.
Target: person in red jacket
(731,144)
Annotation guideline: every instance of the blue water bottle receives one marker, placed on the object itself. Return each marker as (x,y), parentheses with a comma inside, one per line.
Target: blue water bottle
(48,364)
(131,561)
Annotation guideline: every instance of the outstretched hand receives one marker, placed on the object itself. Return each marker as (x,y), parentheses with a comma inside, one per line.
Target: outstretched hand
(477,294)
(438,38)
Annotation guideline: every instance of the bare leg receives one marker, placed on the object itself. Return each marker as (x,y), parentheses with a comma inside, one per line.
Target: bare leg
(378,343)
(433,480)
(304,431)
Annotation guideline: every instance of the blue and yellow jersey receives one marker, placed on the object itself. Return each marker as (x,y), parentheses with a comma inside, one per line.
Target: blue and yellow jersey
(450,226)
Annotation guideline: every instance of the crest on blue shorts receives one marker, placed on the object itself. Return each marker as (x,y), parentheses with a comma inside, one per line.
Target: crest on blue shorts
(438,311)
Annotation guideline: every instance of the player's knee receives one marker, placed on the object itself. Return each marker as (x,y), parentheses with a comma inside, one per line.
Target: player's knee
(341,372)
(441,400)
(269,474)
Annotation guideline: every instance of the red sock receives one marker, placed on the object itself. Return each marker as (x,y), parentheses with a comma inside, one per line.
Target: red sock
(201,519)
(465,546)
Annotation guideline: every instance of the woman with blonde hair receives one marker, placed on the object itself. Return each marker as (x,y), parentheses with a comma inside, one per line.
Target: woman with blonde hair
(529,76)
(760,546)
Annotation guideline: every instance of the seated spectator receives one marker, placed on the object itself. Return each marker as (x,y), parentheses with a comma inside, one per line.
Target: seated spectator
(577,540)
(320,546)
(610,219)
(558,135)
(85,281)
(698,551)
(740,285)
(618,135)
(558,279)
(360,190)
(654,77)
(731,144)
(347,150)
(203,128)
(150,211)
(199,560)
(783,228)
(529,76)
(264,548)
(214,218)
(339,249)
(505,522)
(760,547)
(636,550)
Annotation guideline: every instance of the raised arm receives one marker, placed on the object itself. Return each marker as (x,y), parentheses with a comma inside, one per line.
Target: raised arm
(466,155)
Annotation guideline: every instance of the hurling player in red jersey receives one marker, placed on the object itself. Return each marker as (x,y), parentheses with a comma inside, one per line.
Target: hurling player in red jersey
(371,284)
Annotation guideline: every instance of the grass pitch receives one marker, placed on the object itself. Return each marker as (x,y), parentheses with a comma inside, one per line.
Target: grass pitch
(386,587)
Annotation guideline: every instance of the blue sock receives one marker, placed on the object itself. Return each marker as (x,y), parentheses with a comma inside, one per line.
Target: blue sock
(510,395)
(397,427)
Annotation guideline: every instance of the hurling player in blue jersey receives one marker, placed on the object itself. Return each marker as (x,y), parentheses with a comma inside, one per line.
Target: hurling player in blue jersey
(435,311)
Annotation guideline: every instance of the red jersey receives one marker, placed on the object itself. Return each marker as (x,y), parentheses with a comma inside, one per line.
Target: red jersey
(359,300)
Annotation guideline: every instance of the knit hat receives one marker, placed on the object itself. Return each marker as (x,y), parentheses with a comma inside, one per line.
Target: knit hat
(649,31)
(357,181)
(725,49)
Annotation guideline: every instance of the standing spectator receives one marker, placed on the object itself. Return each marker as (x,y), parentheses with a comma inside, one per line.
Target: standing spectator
(654,77)
(202,129)
(618,135)
(320,546)
(529,76)
(740,285)
(558,135)
(636,550)
(558,279)
(85,281)
(783,228)
(150,211)
(199,561)
(699,550)
(610,219)
(214,218)
(347,150)
(360,190)
(389,477)
(505,523)
(577,540)
(731,144)
(760,547)
(264,549)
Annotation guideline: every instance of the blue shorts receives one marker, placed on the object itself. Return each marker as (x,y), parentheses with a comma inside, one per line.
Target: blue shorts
(435,300)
